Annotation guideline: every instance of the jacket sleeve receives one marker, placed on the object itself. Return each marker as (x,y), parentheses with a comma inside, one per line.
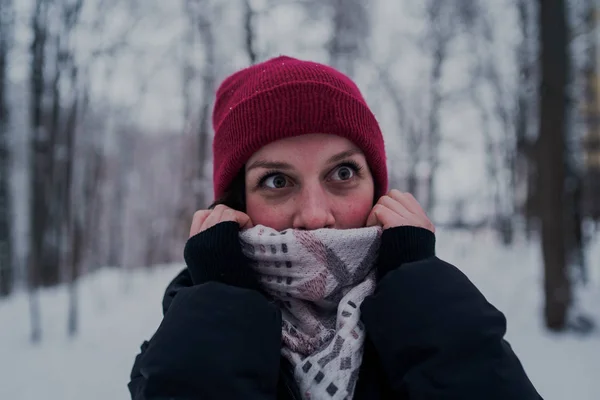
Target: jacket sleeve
(438,338)
(216,341)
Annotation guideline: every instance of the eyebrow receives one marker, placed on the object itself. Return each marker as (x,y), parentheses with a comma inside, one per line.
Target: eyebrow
(285,166)
(269,165)
(344,154)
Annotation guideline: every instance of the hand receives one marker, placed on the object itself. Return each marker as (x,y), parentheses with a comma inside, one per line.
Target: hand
(217,255)
(399,209)
(204,219)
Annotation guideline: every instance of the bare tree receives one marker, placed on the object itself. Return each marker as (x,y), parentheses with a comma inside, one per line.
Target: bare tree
(200,18)
(73,223)
(249,33)
(40,143)
(351,29)
(188,73)
(117,205)
(440,32)
(72,228)
(523,165)
(41,146)
(586,190)
(554,63)
(90,197)
(591,109)
(57,157)
(6,262)
(411,128)
(496,114)
(187,159)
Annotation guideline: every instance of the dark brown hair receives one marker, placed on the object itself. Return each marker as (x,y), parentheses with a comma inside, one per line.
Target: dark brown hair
(235,196)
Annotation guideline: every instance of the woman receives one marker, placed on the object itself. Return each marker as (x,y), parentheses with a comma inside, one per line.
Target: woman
(307,279)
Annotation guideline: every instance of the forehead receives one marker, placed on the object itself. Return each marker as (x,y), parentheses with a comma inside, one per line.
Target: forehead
(313,146)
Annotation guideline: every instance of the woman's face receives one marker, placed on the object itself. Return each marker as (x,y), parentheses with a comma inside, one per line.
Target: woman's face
(309,182)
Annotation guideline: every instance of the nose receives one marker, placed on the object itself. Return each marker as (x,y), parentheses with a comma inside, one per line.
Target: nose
(313,210)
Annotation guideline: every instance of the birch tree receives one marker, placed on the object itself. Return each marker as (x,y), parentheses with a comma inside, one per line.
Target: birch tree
(6,243)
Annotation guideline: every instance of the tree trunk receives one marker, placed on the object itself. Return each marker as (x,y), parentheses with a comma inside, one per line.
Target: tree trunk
(117,212)
(75,234)
(43,259)
(523,162)
(591,190)
(113,206)
(72,212)
(34,314)
(188,73)
(351,29)
(552,161)
(587,205)
(92,179)
(38,160)
(92,182)
(249,31)
(440,31)
(73,203)
(6,261)
(56,160)
(208,86)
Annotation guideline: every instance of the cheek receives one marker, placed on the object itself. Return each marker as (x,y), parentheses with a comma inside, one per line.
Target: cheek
(353,213)
(261,213)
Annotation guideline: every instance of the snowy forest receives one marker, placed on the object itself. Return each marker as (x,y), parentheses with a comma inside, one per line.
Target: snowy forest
(490,111)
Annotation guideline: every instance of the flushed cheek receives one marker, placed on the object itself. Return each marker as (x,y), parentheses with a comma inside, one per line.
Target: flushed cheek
(276,217)
(353,214)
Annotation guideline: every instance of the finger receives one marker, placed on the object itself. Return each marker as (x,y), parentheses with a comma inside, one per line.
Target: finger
(213,218)
(372,219)
(396,206)
(234,216)
(197,221)
(223,213)
(229,215)
(389,218)
(408,201)
(411,204)
(243,220)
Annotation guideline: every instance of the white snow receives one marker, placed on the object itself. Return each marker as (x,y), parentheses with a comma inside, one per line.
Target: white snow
(119,310)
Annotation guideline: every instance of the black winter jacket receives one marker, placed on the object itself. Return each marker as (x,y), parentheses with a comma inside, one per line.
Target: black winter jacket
(430,333)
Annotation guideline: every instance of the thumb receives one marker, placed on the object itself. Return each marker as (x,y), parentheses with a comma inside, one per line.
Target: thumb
(372,220)
(243,221)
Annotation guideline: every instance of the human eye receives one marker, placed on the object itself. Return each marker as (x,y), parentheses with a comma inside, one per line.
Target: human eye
(273,180)
(346,171)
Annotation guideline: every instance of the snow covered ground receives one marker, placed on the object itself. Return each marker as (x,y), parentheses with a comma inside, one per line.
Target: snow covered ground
(119,311)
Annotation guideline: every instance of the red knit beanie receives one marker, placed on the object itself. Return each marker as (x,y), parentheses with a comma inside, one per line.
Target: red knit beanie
(285,97)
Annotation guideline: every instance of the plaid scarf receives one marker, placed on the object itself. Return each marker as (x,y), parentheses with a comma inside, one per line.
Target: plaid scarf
(319,279)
